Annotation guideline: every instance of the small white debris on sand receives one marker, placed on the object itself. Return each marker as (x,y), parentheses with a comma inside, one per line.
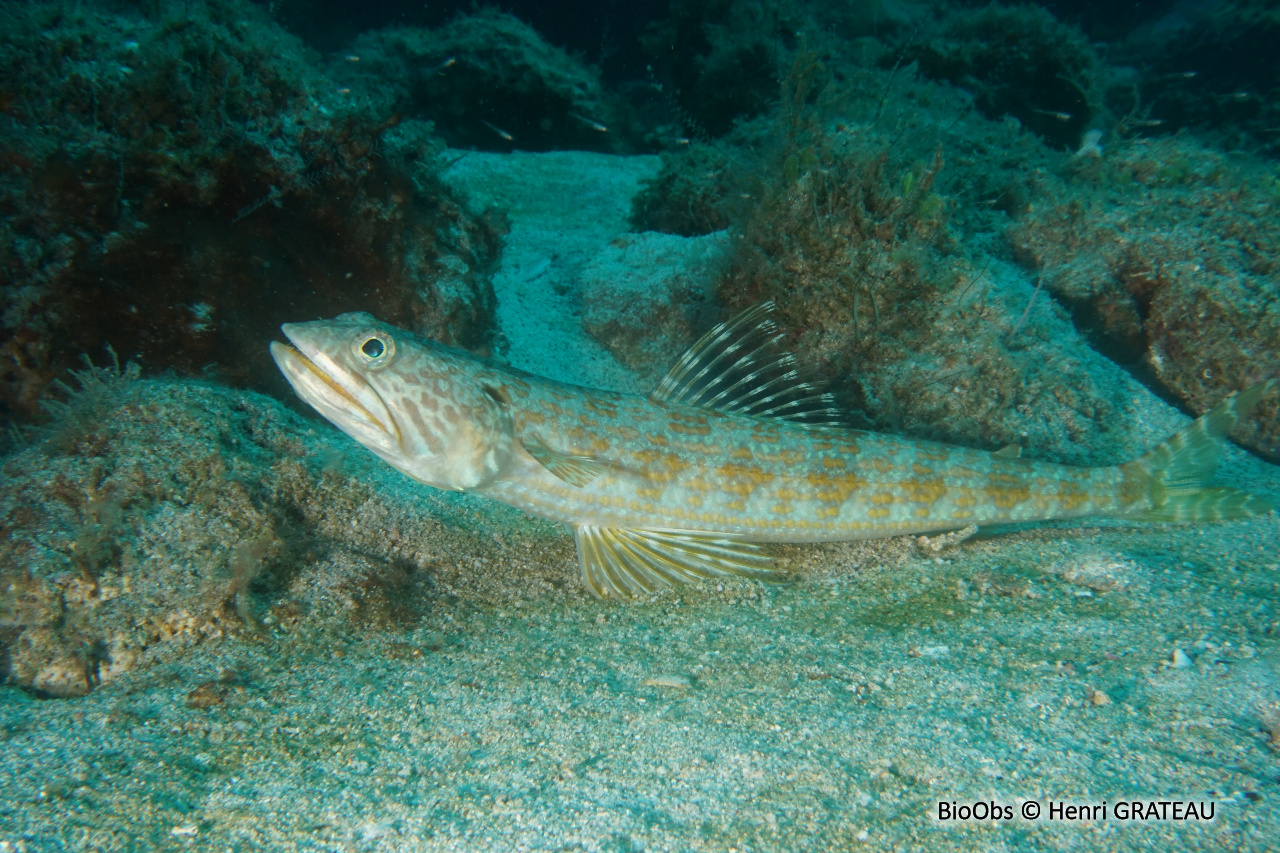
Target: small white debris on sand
(1100,573)
(1090,146)
(938,544)
(679,682)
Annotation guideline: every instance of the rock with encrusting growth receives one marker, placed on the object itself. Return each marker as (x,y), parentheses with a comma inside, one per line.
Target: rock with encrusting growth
(1169,253)
(153,517)
(1019,61)
(487,81)
(177,184)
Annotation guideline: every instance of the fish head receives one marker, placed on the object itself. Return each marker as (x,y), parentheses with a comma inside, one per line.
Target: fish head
(416,404)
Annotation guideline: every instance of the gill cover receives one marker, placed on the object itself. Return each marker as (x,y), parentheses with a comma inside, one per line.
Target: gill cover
(417,405)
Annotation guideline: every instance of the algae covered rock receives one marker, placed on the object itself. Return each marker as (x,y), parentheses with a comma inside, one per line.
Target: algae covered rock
(487,81)
(178,183)
(1019,61)
(153,517)
(720,61)
(136,523)
(1167,253)
(845,208)
(909,332)
(688,197)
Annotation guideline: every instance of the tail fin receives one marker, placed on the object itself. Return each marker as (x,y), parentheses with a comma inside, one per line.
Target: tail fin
(1177,469)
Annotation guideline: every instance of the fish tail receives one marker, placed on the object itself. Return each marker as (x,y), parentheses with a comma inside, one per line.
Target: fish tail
(1177,470)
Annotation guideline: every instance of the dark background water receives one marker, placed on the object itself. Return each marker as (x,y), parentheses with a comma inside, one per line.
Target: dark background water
(608,33)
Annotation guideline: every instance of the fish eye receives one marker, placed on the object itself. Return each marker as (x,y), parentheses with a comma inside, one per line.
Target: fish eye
(375,349)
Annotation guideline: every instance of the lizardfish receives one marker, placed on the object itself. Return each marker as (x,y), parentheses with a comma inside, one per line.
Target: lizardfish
(731,449)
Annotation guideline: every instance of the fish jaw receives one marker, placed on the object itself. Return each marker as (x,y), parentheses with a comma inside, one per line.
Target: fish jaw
(339,394)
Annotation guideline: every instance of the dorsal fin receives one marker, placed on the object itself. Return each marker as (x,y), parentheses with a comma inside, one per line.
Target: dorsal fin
(737,368)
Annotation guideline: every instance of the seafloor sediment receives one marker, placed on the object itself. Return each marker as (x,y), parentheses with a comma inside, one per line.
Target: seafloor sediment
(827,715)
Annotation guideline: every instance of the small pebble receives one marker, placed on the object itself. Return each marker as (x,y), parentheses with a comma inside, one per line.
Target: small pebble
(679,682)
(207,695)
(1100,698)
(1180,659)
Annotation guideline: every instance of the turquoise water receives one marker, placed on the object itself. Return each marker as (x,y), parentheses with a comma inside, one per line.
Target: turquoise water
(227,626)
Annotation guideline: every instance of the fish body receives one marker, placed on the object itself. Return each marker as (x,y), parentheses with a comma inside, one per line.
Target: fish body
(590,122)
(733,448)
(770,481)
(502,133)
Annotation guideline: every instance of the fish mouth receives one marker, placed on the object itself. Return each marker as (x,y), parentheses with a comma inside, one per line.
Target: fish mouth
(338,394)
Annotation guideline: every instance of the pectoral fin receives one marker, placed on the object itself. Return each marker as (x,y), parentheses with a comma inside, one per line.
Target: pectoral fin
(623,563)
(574,470)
